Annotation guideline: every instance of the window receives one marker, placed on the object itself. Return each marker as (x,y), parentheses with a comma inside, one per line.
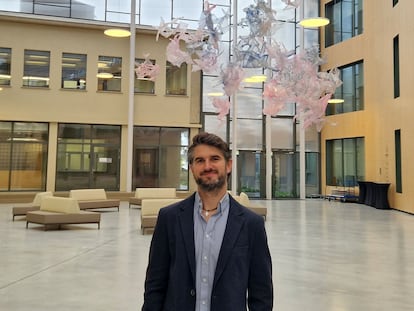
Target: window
(160,157)
(23,156)
(345,20)
(394,2)
(396,56)
(36,68)
(351,90)
(109,73)
(345,164)
(143,85)
(176,79)
(73,71)
(5,60)
(88,156)
(398,168)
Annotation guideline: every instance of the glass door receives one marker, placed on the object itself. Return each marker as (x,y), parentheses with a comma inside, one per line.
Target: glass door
(284,175)
(249,168)
(105,167)
(146,168)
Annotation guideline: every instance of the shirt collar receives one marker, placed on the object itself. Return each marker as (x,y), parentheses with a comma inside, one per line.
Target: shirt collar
(223,204)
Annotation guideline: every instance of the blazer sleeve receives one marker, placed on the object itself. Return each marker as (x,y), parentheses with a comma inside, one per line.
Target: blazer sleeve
(156,281)
(260,288)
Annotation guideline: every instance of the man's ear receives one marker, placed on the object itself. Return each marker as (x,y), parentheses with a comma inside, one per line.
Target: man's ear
(229,166)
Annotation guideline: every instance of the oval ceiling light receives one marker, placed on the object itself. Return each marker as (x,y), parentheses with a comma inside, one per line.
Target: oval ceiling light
(314,22)
(255,79)
(105,75)
(336,101)
(117,32)
(215,94)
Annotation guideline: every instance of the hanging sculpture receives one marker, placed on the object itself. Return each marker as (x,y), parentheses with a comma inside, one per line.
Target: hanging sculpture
(294,77)
(147,70)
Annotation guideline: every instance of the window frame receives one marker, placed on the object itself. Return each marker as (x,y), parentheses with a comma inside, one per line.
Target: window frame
(75,77)
(112,66)
(36,69)
(5,68)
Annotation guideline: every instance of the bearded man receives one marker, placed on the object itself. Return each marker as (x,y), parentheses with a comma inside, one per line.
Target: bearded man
(208,252)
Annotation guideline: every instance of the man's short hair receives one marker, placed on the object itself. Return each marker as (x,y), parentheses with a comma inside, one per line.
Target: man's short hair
(209,139)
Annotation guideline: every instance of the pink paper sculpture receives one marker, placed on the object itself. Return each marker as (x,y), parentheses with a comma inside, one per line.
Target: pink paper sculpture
(231,77)
(294,77)
(222,107)
(146,69)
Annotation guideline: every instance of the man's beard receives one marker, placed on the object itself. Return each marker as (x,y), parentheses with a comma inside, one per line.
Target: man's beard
(211,185)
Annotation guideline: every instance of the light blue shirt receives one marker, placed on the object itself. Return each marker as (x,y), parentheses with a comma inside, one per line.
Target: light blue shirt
(208,236)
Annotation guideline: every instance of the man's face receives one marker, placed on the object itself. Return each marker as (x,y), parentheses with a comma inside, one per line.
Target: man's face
(209,168)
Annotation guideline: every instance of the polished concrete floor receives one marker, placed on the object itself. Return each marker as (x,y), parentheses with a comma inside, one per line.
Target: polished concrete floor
(327,255)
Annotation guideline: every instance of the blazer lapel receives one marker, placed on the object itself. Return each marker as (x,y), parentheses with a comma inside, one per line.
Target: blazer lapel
(186,220)
(234,225)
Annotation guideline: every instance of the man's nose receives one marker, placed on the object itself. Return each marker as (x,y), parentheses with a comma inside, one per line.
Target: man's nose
(208,164)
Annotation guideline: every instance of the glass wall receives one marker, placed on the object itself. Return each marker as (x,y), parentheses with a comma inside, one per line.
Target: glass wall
(73,71)
(36,68)
(23,156)
(5,68)
(251,123)
(345,162)
(88,156)
(160,157)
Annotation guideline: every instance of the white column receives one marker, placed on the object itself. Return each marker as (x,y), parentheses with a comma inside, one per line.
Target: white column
(269,164)
(302,161)
(234,111)
(130,145)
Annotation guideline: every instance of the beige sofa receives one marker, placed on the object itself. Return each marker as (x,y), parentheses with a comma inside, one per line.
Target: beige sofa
(150,209)
(151,193)
(244,200)
(93,199)
(33,206)
(61,211)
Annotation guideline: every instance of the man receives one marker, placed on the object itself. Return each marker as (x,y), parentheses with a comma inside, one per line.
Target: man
(208,252)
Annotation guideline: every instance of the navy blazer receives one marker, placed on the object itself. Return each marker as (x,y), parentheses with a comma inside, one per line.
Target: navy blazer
(243,275)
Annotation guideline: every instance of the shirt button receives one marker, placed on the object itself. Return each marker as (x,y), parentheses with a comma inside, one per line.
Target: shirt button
(192,292)
(204,280)
(203,302)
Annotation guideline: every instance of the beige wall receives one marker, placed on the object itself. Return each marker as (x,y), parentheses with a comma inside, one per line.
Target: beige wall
(56,105)
(382,114)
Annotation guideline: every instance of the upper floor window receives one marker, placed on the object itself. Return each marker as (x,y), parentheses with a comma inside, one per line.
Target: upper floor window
(345,20)
(73,71)
(36,68)
(351,90)
(109,73)
(394,2)
(176,79)
(5,60)
(396,56)
(144,85)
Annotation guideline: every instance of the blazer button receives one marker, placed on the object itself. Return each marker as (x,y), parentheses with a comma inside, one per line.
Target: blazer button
(192,292)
